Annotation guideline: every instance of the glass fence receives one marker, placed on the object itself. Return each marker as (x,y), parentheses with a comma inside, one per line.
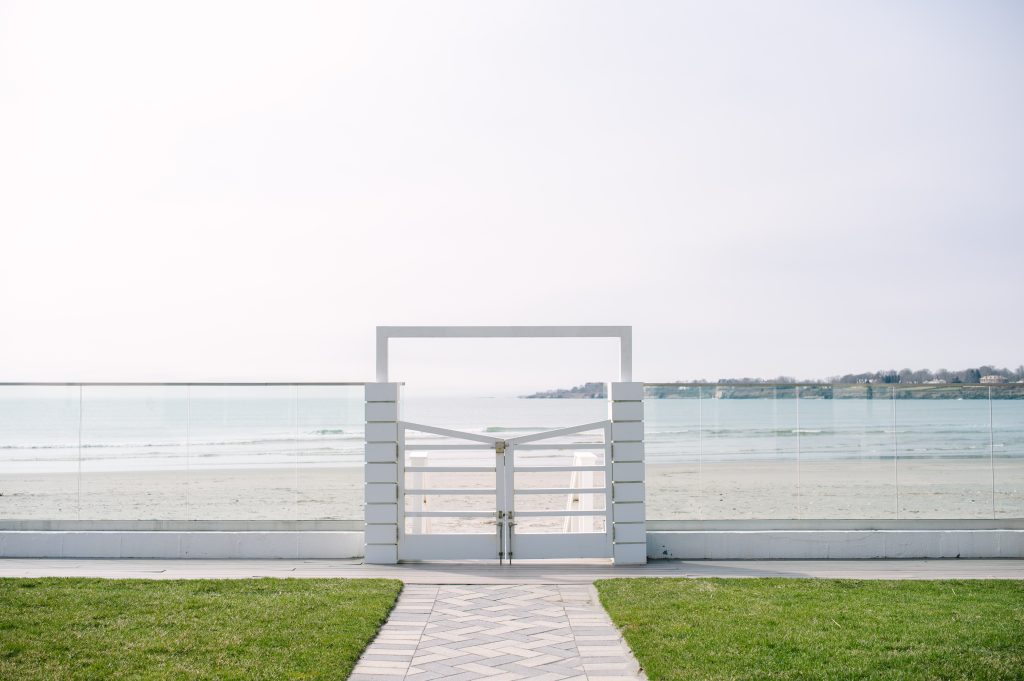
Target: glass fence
(247,452)
(181,452)
(866,451)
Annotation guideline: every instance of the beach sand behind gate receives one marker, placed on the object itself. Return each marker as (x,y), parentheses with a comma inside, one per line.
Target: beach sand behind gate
(840,489)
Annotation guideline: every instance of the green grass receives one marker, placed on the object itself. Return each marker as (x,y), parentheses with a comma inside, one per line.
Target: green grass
(820,629)
(61,628)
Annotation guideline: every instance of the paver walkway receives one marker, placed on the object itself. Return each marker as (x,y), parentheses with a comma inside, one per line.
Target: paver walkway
(500,633)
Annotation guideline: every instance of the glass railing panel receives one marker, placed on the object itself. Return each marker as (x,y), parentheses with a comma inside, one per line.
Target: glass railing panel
(750,464)
(329,452)
(1008,450)
(847,469)
(721,452)
(944,459)
(672,449)
(134,453)
(39,427)
(242,453)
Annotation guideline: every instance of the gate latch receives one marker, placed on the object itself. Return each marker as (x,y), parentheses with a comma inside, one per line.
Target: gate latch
(499,447)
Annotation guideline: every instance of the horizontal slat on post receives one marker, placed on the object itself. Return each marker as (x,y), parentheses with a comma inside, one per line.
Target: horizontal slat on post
(382,392)
(629,512)
(381,432)
(380,493)
(381,534)
(628,471)
(380,472)
(381,411)
(630,532)
(627,411)
(381,513)
(628,491)
(628,431)
(626,391)
(381,452)
(628,451)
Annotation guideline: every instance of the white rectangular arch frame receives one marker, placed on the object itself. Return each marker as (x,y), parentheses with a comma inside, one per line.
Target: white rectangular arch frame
(625,406)
(623,333)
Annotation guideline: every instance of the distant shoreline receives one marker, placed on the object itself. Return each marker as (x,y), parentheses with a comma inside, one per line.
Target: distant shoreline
(805,391)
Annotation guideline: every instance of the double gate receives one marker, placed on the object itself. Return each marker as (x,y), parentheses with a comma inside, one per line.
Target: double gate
(471,496)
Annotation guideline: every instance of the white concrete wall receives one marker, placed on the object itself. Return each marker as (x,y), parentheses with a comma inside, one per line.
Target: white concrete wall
(837,544)
(682,545)
(157,544)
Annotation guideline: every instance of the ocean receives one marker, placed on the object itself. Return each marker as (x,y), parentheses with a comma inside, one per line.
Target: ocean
(156,428)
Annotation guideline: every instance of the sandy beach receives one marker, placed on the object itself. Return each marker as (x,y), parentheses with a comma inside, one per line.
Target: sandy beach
(841,489)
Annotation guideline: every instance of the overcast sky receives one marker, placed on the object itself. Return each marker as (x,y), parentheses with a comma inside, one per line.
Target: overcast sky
(202,191)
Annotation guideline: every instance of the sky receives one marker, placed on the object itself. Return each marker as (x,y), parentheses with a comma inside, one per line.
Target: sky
(244,190)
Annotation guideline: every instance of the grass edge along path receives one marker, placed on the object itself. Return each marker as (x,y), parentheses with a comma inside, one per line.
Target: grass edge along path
(72,628)
(783,628)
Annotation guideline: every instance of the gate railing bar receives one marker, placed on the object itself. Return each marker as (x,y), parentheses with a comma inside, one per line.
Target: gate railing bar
(563,490)
(559,514)
(449,469)
(557,469)
(455,434)
(553,447)
(479,448)
(449,514)
(547,435)
(451,492)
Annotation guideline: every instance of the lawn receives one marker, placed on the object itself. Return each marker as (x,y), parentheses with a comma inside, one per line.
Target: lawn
(59,628)
(820,629)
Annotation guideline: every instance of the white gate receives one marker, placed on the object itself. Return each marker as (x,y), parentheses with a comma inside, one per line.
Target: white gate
(468,496)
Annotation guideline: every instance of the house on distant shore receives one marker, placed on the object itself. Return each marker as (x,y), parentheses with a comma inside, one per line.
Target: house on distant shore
(993,378)
(936,381)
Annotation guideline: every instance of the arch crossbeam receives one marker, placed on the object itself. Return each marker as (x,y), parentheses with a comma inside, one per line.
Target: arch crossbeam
(623,333)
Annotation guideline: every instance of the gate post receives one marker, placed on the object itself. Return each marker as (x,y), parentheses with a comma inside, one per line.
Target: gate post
(629,527)
(381,472)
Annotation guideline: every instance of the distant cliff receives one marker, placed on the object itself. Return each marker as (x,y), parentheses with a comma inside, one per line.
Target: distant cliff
(587,391)
(751,389)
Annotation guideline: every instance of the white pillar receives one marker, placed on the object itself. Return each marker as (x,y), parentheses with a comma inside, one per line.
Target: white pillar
(381,473)
(629,528)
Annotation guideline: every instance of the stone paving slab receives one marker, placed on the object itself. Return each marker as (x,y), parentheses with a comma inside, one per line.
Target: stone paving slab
(500,632)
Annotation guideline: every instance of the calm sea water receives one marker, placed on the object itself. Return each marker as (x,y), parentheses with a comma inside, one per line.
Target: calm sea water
(169,428)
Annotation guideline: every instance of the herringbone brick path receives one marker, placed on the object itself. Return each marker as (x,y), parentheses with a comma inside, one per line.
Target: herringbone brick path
(500,633)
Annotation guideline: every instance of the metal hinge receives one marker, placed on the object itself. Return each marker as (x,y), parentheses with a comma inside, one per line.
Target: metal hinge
(499,447)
